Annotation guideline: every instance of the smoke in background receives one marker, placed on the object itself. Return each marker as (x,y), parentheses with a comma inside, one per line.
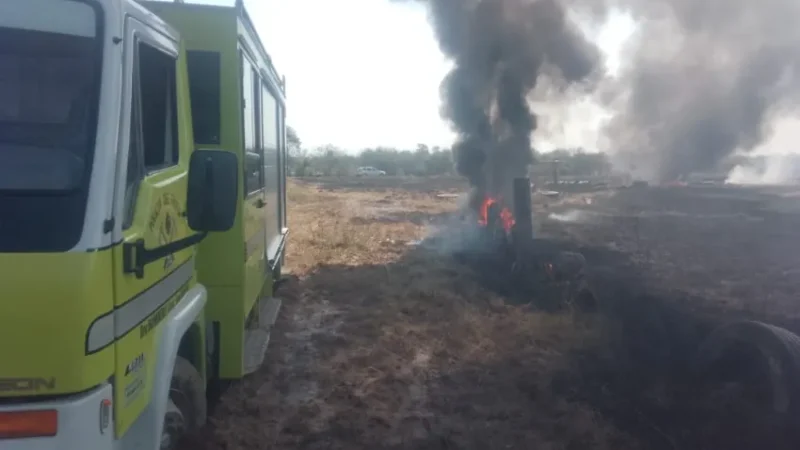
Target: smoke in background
(702,79)
(501,50)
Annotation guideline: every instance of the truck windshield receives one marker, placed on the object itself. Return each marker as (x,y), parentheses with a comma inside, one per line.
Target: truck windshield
(48,69)
(50,57)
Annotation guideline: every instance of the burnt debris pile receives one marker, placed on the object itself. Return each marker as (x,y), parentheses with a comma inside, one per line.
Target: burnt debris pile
(500,246)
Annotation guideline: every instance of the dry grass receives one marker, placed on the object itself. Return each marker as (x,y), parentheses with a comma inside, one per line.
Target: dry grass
(382,344)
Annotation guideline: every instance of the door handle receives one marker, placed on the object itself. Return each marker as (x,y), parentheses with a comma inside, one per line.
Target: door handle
(260,203)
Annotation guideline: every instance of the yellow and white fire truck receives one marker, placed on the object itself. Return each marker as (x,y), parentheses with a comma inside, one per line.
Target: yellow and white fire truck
(142,217)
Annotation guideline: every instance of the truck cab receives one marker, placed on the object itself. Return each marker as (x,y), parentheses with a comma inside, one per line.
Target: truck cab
(142,217)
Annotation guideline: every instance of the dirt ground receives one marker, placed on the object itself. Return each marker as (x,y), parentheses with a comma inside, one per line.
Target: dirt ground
(387,344)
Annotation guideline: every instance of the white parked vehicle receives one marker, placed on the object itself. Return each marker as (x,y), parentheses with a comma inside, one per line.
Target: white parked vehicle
(369,172)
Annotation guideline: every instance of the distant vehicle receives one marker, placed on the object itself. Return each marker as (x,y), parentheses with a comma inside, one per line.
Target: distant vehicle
(369,172)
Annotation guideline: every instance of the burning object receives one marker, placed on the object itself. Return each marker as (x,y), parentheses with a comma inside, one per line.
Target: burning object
(488,209)
(514,263)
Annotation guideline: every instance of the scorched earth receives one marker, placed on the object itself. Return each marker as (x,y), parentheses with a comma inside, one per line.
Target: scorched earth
(385,342)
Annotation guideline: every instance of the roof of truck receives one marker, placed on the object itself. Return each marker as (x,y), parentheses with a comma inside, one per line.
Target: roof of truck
(135,9)
(247,30)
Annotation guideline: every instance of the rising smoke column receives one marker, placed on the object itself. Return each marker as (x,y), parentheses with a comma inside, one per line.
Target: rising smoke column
(704,79)
(501,49)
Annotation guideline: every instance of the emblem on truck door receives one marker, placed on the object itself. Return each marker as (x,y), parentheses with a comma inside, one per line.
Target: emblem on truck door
(166,234)
(163,221)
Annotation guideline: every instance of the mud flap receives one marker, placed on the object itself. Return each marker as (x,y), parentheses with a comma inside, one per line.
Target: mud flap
(257,337)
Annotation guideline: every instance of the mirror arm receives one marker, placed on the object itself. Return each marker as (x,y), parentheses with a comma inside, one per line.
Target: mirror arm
(135,256)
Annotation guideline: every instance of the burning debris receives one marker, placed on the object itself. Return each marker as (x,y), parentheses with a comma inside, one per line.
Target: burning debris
(503,251)
(488,209)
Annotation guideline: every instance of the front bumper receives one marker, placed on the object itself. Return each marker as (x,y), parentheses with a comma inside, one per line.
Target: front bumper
(81,423)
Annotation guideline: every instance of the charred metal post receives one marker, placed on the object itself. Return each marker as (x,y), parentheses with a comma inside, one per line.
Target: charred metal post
(523,268)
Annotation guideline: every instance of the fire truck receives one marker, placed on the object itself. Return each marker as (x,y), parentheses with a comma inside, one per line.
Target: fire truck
(142,217)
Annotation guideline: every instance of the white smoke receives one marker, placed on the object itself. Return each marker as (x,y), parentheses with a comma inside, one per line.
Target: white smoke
(571,216)
(767,170)
(776,162)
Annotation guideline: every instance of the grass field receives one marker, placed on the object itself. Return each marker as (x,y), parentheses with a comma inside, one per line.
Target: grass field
(386,344)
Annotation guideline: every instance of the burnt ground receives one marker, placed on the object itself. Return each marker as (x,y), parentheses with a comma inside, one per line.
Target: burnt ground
(386,343)
(668,265)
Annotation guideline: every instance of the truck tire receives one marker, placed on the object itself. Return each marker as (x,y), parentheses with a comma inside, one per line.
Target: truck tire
(778,348)
(186,408)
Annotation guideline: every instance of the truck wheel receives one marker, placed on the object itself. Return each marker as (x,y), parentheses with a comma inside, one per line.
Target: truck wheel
(186,407)
(774,351)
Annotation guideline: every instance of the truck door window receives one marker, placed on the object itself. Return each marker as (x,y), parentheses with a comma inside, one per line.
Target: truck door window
(159,118)
(154,120)
(253,171)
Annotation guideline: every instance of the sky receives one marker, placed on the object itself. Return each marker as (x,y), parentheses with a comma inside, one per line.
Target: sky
(366,73)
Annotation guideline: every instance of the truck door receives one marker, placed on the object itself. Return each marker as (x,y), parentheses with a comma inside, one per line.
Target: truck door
(255,201)
(153,153)
(270,143)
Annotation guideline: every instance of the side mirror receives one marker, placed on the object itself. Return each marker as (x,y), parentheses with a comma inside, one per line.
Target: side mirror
(213,190)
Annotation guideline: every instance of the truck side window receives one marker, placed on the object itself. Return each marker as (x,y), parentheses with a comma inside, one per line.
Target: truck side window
(204,90)
(253,170)
(282,162)
(154,120)
(270,144)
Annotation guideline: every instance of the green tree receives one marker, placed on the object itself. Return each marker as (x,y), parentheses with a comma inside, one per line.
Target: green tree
(297,155)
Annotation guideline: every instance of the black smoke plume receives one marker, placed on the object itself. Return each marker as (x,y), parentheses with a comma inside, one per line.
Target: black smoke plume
(501,50)
(701,79)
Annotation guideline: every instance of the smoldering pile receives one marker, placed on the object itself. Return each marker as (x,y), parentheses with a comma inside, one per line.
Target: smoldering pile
(500,247)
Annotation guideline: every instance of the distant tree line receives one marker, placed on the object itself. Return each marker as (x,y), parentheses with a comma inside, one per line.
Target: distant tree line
(330,160)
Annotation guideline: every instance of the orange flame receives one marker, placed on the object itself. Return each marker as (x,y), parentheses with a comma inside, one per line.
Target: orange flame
(506,217)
